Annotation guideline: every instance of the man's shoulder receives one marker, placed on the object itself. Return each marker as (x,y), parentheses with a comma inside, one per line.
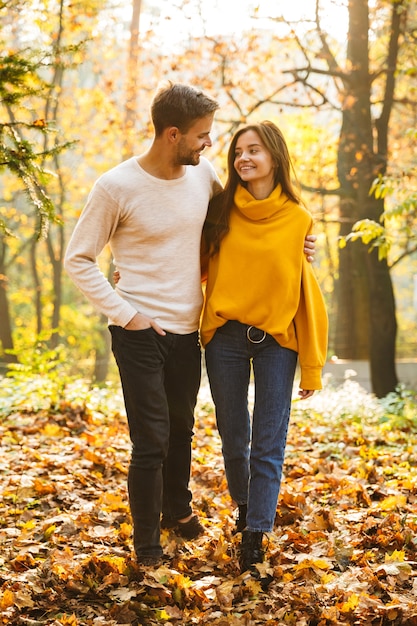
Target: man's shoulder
(203,170)
(118,177)
(118,169)
(205,164)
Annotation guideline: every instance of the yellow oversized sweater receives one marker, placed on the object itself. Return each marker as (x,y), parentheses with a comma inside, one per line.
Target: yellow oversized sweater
(262,278)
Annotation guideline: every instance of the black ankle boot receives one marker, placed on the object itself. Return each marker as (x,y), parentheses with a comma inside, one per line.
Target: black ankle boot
(241,518)
(251,551)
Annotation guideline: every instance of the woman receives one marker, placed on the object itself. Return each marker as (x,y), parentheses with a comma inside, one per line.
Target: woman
(263,310)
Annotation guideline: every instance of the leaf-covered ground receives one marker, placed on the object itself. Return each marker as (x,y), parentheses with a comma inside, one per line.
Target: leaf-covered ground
(343,550)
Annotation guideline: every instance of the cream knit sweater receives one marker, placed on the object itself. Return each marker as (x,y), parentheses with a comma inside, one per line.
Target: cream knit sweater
(153,227)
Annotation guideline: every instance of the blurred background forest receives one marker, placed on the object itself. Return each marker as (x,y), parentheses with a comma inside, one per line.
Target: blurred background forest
(339,78)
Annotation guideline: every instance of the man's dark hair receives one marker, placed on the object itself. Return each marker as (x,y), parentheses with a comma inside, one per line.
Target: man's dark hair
(180,105)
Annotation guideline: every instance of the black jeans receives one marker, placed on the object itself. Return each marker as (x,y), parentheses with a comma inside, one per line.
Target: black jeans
(160,377)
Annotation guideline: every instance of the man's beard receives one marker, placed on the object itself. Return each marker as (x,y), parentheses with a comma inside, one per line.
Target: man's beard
(188,157)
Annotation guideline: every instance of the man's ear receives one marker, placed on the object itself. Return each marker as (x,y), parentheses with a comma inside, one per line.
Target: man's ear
(173,134)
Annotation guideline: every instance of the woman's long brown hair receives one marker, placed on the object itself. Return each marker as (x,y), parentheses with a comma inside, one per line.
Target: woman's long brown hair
(217,222)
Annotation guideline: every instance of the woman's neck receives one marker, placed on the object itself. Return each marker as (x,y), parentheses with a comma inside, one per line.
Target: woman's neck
(260,190)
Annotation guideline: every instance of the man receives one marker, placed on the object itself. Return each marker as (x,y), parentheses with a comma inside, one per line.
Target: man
(151,210)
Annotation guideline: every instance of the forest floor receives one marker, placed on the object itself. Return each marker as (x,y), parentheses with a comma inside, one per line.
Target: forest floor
(343,550)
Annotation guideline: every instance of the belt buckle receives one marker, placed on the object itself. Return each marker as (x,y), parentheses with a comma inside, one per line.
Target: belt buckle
(253,340)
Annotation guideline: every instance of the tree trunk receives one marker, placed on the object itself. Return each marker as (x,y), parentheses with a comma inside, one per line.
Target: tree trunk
(6,337)
(383,328)
(56,248)
(132,83)
(37,285)
(103,351)
(366,306)
(56,259)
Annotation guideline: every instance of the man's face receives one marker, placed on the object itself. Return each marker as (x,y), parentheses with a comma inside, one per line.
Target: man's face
(192,143)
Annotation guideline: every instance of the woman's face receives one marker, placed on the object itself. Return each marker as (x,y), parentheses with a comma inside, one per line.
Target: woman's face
(253,162)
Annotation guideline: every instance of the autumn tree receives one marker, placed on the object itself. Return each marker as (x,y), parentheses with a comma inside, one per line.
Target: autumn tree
(366,316)
(53,98)
(360,85)
(24,156)
(366,324)
(292,72)
(103,350)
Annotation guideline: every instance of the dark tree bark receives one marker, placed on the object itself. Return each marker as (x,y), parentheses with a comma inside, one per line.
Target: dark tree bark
(366,320)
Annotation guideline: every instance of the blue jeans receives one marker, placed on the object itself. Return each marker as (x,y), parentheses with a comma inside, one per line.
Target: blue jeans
(253,450)
(160,377)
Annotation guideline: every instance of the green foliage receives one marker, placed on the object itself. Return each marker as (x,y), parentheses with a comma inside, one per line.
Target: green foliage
(50,388)
(18,78)
(370,233)
(39,379)
(46,377)
(22,156)
(23,393)
(400,410)
(395,236)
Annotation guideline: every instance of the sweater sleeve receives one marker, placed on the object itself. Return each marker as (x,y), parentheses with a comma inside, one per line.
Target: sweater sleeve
(92,233)
(311,325)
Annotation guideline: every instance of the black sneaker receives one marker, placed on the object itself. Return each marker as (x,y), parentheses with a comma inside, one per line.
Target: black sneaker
(168,522)
(241,519)
(251,551)
(189,530)
(150,560)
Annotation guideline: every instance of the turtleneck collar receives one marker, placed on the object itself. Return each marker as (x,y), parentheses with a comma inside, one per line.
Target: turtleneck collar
(258,210)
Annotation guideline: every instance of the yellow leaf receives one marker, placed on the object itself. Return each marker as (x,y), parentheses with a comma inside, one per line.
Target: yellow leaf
(220,553)
(162,615)
(48,532)
(7,599)
(397,555)
(392,502)
(118,562)
(125,530)
(254,586)
(182,582)
(68,620)
(29,525)
(327,578)
(351,604)
(314,563)
(113,502)
(52,430)
(60,570)
(121,468)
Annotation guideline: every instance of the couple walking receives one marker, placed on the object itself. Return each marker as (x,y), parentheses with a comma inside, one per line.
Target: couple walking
(263,310)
